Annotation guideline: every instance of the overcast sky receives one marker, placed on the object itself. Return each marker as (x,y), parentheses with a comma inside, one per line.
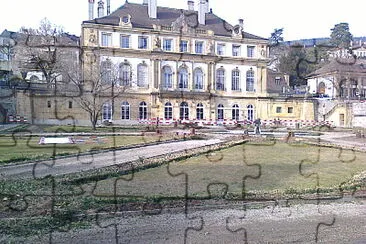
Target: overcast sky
(300,19)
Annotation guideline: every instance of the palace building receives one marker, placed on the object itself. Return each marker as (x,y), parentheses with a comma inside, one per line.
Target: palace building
(178,64)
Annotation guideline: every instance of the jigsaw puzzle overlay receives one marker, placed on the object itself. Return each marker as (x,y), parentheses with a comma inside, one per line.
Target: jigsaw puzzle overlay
(167,182)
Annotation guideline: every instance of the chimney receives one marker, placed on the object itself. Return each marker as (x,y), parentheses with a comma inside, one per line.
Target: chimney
(190,5)
(207,7)
(152,8)
(241,23)
(108,7)
(91,9)
(202,12)
(100,9)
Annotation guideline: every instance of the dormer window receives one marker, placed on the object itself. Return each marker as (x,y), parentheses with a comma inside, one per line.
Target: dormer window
(125,19)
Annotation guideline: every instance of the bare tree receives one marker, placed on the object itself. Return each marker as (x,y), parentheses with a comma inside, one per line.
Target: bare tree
(102,82)
(57,58)
(45,52)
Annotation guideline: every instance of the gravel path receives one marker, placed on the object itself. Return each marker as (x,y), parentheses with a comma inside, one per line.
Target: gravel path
(308,223)
(344,139)
(99,160)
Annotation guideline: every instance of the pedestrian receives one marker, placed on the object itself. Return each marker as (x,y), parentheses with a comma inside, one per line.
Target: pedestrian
(257,124)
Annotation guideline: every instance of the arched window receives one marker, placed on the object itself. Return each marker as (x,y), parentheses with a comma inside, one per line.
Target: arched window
(183,78)
(142,111)
(250,112)
(183,111)
(107,111)
(106,71)
(342,88)
(34,78)
(321,88)
(235,80)
(125,110)
(220,79)
(250,80)
(199,111)
(168,111)
(167,77)
(235,112)
(142,75)
(198,79)
(125,74)
(220,112)
(354,88)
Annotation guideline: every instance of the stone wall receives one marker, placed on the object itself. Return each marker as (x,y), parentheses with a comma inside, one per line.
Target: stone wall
(359,114)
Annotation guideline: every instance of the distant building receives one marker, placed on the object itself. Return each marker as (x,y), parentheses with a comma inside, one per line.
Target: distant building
(277,82)
(341,78)
(340,88)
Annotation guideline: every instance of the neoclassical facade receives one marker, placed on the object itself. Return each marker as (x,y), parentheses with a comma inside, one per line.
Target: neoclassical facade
(178,64)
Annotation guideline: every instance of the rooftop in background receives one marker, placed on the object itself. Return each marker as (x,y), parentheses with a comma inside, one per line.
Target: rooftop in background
(342,65)
(321,41)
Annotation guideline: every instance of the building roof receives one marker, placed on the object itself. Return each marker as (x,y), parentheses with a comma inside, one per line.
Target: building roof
(166,17)
(8,34)
(341,65)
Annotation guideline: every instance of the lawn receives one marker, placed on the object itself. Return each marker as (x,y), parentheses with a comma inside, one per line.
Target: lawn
(19,148)
(276,169)
(264,169)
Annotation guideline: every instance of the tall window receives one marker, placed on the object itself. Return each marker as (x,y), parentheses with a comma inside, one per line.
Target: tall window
(250,51)
(235,80)
(125,41)
(168,111)
(236,50)
(167,44)
(142,75)
(142,42)
(199,47)
(167,77)
(250,112)
(183,46)
(142,111)
(106,71)
(235,112)
(354,89)
(277,80)
(184,111)
(220,79)
(125,111)
(106,39)
(199,111)
(250,80)
(107,111)
(183,78)
(125,74)
(220,112)
(220,50)
(198,79)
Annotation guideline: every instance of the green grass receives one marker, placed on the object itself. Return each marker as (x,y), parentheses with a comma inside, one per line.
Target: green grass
(88,129)
(277,170)
(20,148)
(263,169)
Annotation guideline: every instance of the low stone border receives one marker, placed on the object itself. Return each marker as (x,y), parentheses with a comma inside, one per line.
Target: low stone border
(143,163)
